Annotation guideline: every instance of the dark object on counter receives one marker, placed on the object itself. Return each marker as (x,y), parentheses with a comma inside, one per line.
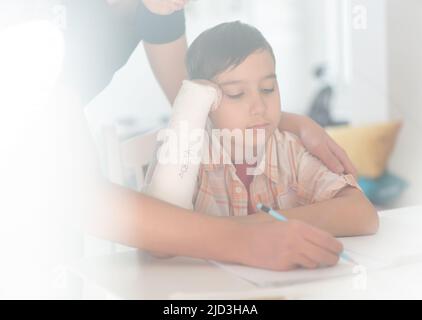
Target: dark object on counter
(320,109)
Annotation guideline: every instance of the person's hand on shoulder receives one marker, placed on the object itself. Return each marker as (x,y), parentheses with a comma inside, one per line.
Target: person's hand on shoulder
(317,141)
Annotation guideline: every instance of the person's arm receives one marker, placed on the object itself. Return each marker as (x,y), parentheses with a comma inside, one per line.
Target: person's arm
(162,24)
(318,142)
(349,213)
(168,65)
(143,222)
(133,219)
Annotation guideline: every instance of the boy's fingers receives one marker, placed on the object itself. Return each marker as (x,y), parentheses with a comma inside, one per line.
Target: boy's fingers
(324,240)
(320,256)
(217,88)
(303,261)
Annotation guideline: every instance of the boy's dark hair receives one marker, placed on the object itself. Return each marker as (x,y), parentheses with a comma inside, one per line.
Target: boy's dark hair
(224,46)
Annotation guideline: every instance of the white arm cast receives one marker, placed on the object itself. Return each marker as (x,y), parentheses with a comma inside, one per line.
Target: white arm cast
(174,181)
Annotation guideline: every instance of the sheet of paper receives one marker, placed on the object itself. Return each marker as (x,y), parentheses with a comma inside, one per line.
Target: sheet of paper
(268,278)
(398,242)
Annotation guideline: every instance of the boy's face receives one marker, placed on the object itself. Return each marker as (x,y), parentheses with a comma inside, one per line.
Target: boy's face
(251,98)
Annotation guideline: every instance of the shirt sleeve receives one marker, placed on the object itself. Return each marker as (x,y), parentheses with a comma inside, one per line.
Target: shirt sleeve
(160,29)
(314,181)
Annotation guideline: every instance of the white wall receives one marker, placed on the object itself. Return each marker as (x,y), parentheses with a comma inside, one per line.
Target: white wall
(405,85)
(361,59)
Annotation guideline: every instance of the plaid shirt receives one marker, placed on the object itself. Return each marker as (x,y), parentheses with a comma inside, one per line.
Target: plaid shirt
(290,177)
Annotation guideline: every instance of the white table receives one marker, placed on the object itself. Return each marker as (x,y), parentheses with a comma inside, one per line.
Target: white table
(136,275)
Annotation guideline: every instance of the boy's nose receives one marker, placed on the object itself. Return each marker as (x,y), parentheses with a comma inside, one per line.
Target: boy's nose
(258,106)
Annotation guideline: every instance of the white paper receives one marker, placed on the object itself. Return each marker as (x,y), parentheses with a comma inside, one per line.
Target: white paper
(269,278)
(398,242)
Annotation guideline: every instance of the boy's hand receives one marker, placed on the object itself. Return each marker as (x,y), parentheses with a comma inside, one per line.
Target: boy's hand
(287,245)
(217,89)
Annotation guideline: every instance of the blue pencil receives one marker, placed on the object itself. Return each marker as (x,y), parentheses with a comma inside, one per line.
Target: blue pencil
(280,217)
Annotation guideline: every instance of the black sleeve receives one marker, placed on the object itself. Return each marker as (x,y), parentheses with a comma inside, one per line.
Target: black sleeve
(157,29)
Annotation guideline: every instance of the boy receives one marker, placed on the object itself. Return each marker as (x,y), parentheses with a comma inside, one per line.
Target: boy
(239,60)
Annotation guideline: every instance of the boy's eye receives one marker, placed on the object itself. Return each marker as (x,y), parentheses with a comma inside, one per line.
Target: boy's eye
(267,91)
(235,96)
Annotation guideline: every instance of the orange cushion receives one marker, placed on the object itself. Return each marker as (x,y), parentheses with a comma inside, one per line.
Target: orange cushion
(369,147)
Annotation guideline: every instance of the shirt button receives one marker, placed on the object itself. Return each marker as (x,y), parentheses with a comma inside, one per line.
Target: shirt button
(238,189)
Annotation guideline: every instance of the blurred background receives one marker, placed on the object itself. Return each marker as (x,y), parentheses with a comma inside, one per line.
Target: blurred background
(354,66)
